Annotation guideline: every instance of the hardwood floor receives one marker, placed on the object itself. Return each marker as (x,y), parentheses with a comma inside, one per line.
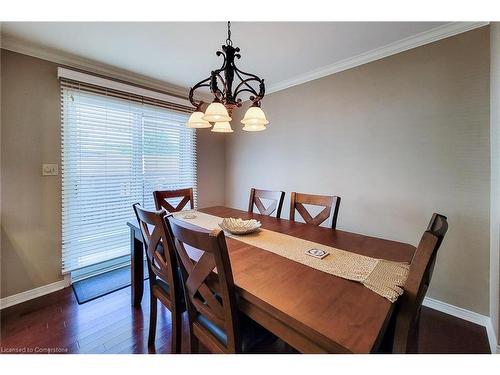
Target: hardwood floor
(56,323)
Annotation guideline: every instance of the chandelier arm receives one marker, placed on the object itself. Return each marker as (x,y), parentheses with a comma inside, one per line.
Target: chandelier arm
(224,85)
(244,81)
(213,78)
(224,61)
(262,89)
(219,95)
(202,83)
(245,73)
(252,77)
(246,88)
(252,98)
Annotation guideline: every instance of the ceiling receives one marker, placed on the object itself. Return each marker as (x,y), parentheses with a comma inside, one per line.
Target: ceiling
(183,53)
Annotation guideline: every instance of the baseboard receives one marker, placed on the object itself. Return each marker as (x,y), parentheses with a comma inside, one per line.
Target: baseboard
(468,315)
(34,293)
(459,312)
(492,338)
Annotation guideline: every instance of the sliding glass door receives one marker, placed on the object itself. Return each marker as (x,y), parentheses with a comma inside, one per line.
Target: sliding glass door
(115,152)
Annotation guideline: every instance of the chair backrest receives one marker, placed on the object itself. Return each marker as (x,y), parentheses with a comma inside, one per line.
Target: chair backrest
(159,250)
(161,199)
(329,202)
(256,196)
(208,294)
(419,277)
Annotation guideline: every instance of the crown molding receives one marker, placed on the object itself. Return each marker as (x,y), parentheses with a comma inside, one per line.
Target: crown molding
(65,59)
(426,37)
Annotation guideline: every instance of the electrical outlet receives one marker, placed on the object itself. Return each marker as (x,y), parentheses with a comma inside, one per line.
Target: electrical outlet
(49,169)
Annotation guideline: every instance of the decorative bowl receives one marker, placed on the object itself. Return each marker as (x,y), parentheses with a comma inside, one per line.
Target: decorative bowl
(240,226)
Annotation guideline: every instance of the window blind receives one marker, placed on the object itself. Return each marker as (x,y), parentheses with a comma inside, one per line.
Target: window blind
(116,150)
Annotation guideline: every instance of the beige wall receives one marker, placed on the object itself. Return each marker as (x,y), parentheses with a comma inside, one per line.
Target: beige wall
(210,168)
(397,139)
(31,204)
(495,173)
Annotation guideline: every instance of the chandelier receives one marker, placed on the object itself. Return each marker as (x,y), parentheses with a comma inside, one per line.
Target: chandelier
(226,99)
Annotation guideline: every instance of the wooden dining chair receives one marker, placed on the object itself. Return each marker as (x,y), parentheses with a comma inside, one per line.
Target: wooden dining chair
(164,281)
(402,333)
(161,199)
(256,196)
(210,296)
(329,202)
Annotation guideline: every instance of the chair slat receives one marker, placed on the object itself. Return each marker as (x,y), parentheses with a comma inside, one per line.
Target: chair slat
(329,202)
(161,197)
(276,197)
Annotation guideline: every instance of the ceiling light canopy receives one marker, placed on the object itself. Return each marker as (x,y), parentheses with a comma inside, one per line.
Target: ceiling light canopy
(227,98)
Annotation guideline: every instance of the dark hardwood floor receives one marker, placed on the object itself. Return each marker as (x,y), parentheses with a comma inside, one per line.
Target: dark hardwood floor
(56,323)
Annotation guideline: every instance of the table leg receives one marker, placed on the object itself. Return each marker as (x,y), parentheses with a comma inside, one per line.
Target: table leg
(136,269)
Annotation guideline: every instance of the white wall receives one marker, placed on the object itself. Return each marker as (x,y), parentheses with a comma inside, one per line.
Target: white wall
(397,139)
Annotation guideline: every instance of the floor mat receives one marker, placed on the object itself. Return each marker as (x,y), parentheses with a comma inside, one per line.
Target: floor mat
(97,286)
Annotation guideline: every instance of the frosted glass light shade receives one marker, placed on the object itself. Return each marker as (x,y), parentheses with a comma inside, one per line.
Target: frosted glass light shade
(216,112)
(222,127)
(255,116)
(196,121)
(254,128)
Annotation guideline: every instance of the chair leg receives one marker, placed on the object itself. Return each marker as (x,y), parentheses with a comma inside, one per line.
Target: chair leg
(416,336)
(176,331)
(152,320)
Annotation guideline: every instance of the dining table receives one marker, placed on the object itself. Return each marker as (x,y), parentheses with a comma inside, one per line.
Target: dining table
(311,310)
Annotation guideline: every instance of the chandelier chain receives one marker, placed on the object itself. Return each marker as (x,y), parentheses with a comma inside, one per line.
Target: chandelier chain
(229,42)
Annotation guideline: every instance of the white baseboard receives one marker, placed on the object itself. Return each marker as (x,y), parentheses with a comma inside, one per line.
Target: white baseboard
(459,312)
(464,314)
(34,293)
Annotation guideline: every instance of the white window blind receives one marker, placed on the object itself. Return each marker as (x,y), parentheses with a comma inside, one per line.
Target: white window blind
(116,152)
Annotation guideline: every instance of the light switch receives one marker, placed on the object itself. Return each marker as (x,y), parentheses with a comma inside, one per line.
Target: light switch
(49,169)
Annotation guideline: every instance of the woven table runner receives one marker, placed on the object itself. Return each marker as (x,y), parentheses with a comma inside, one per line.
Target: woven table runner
(384,277)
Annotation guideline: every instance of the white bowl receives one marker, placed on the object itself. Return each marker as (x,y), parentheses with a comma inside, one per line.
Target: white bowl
(240,226)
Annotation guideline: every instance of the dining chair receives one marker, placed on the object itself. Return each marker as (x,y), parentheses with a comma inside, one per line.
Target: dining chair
(213,314)
(256,196)
(164,280)
(402,333)
(161,199)
(328,202)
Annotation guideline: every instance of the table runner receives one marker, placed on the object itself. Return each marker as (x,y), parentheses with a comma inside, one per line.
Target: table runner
(383,277)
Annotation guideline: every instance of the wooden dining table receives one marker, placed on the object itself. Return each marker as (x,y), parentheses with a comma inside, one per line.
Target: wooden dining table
(312,311)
